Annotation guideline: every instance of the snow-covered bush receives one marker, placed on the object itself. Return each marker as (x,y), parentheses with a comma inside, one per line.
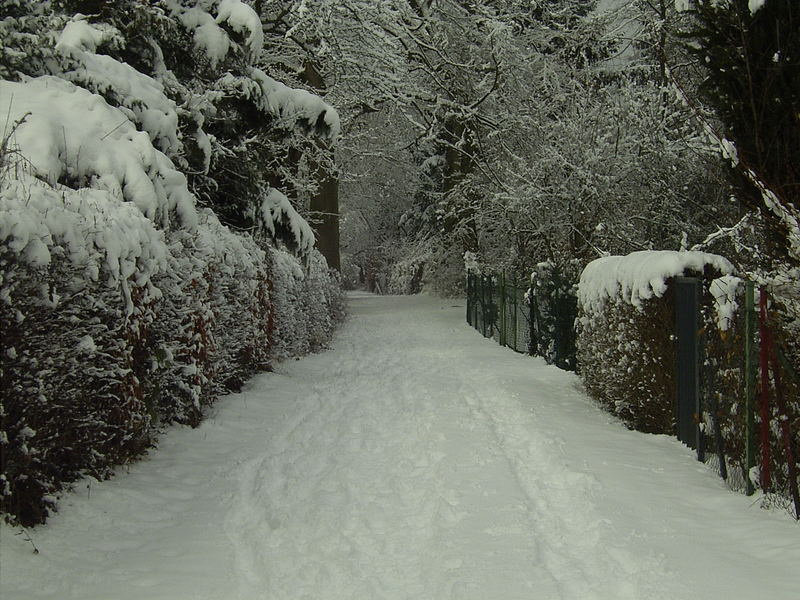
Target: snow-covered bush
(111,326)
(406,275)
(70,136)
(213,322)
(122,303)
(724,378)
(308,304)
(625,342)
(76,302)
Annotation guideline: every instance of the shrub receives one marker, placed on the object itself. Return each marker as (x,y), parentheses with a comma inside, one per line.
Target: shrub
(626,356)
(625,343)
(76,304)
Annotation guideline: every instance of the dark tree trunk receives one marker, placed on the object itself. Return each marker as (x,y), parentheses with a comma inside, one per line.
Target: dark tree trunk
(326,201)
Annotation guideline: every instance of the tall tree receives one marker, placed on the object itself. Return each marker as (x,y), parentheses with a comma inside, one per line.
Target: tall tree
(751,51)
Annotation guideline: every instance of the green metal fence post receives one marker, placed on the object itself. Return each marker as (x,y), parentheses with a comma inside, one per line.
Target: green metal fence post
(483,303)
(532,344)
(515,313)
(469,297)
(749,384)
(492,306)
(502,293)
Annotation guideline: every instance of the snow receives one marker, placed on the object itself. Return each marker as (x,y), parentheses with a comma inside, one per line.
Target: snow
(81,36)
(294,104)
(97,231)
(71,133)
(276,211)
(640,275)
(413,460)
(213,40)
(471,264)
(208,37)
(140,97)
(242,19)
(724,289)
(288,105)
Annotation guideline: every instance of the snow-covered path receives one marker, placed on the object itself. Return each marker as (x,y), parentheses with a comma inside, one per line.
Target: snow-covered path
(414,460)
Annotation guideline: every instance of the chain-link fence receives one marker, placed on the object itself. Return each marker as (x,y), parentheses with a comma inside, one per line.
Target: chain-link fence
(740,408)
(535,319)
(750,399)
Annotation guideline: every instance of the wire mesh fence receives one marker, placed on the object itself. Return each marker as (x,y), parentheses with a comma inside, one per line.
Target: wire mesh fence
(743,415)
(536,320)
(750,400)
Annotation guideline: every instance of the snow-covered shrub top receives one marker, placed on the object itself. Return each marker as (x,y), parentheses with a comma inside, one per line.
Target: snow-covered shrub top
(210,37)
(227,251)
(277,211)
(96,231)
(139,96)
(640,275)
(72,135)
(289,105)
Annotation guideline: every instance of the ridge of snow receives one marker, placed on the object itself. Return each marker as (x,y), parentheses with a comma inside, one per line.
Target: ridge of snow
(640,275)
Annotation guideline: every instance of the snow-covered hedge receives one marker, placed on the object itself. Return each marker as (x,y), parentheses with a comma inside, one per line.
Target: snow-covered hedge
(625,342)
(123,303)
(111,326)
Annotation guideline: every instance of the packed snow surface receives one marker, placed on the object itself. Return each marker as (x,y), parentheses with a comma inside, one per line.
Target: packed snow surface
(413,460)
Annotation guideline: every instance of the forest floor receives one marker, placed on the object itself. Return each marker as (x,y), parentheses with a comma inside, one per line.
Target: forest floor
(412,460)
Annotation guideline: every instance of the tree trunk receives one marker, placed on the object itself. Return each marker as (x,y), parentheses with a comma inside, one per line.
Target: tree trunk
(326,201)
(326,204)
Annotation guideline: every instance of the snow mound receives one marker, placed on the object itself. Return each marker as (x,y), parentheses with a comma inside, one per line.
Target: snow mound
(640,276)
(70,135)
